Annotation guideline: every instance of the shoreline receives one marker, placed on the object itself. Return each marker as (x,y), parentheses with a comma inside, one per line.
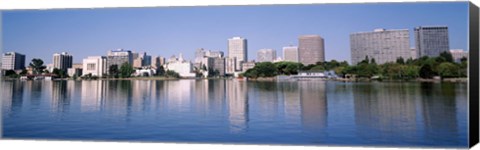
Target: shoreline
(268,79)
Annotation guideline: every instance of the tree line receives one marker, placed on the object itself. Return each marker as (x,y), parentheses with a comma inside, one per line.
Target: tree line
(424,67)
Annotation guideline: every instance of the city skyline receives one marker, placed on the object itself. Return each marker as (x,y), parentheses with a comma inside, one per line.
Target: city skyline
(40,33)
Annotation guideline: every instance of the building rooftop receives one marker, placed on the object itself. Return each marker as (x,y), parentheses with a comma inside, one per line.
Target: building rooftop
(379,30)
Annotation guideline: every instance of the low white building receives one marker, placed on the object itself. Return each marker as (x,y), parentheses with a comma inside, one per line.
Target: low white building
(145,72)
(458,54)
(95,65)
(182,67)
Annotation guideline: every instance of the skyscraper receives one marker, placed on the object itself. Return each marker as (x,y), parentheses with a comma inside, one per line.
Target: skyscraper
(237,48)
(266,55)
(13,61)
(381,45)
(118,57)
(431,40)
(62,61)
(311,49)
(290,53)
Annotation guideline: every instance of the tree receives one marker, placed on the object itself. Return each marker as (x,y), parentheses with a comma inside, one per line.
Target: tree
(126,70)
(447,56)
(448,69)
(400,60)
(24,72)
(171,73)
(317,68)
(37,65)
(373,61)
(59,73)
(364,61)
(463,59)
(113,71)
(426,71)
(263,69)
(11,74)
(161,71)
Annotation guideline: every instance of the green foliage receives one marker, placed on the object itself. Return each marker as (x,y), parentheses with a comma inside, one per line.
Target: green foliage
(24,72)
(426,71)
(463,59)
(113,71)
(126,70)
(317,68)
(288,68)
(37,65)
(11,74)
(263,69)
(448,69)
(59,73)
(447,56)
(161,71)
(400,60)
(171,74)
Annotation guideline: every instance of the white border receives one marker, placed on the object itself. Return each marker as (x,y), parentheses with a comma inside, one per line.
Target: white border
(55,4)
(62,4)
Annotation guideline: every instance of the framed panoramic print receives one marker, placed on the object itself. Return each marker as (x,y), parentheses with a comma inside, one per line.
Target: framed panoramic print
(399,74)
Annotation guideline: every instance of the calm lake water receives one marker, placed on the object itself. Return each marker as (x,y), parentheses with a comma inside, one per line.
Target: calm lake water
(232,111)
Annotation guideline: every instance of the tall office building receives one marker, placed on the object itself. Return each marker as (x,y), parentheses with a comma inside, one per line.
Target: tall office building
(266,55)
(381,45)
(62,61)
(311,49)
(290,53)
(237,48)
(431,40)
(118,57)
(13,61)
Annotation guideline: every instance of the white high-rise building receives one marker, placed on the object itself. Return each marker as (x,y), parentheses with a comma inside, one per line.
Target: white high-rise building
(62,61)
(290,53)
(381,45)
(237,48)
(13,61)
(95,65)
(266,55)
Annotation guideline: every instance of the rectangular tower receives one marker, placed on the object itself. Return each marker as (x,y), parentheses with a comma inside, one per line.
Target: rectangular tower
(13,61)
(432,40)
(237,48)
(62,61)
(290,53)
(381,45)
(311,49)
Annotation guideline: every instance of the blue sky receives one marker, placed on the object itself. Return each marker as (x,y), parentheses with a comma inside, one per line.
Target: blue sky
(168,31)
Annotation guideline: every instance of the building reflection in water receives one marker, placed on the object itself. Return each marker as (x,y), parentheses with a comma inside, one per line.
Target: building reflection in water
(60,97)
(291,102)
(209,96)
(313,105)
(93,95)
(404,110)
(179,95)
(439,111)
(237,105)
(266,95)
(12,96)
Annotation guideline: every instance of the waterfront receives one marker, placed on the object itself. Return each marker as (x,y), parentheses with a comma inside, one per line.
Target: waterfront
(233,111)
